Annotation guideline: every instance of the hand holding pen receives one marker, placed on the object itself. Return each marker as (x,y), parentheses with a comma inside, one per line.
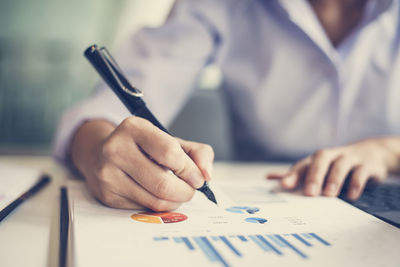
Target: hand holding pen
(137,163)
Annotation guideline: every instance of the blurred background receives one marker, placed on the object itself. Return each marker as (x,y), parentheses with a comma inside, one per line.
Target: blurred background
(42,70)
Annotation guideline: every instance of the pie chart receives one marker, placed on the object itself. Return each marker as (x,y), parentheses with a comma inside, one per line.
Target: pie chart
(159,217)
(256,220)
(243,209)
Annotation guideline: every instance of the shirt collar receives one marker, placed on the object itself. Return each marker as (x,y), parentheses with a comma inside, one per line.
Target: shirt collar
(301,13)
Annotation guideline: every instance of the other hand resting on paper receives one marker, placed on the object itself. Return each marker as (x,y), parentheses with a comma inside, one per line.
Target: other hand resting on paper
(128,166)
(326,170)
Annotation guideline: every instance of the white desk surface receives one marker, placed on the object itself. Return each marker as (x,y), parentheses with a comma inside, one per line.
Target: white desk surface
(29,236)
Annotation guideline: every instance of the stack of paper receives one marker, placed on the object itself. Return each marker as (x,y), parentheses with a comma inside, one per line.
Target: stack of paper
(254,225)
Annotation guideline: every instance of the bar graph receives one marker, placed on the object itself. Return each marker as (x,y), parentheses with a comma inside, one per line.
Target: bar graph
(279,245)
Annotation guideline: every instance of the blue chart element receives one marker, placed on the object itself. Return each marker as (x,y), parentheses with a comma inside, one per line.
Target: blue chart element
(177,239)
(269,245)
(209,250)
(308,236)
(243,209)
(183,240)
(275,244)
(256,220)
(283,240)
(215,238)
(158,238)
(234,210)
(276,241)
(298,237)
(229,245)
(242,238)
(259,243)
(188,243)
(319,239)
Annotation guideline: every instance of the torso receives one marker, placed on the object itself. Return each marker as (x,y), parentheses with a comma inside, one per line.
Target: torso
(338,17)
(292,94)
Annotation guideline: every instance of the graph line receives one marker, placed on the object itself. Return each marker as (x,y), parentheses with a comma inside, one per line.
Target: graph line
(319,239)
(291,246)
(302,240)
(229,244)
(277,251)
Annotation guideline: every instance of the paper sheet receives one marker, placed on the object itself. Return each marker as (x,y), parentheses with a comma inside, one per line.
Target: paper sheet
(15,181)
(254,225)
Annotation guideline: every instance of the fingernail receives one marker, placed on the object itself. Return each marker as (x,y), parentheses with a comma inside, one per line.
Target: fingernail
(288,181)
(197,180)
(311,189)
(331,189)
(353,193)
(206,175)
(209,171)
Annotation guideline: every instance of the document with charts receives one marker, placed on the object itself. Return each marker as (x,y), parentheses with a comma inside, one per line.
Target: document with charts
(253,225)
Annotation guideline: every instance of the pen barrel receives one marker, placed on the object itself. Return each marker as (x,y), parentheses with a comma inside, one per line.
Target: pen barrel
(134,104)
(145,113)
(95,58)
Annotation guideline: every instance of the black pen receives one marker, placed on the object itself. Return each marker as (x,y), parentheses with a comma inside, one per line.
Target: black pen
(39,185)
(130,96)
(64,227)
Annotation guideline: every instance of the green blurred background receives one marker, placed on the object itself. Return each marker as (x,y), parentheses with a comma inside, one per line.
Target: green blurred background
(42,70)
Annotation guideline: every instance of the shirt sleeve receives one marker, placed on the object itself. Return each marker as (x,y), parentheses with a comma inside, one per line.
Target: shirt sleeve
(163,62)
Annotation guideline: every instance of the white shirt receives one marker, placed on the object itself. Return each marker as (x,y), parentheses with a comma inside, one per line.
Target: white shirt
(290,91)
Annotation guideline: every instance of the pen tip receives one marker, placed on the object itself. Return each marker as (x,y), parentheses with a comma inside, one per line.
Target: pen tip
(207,191)
(210,195)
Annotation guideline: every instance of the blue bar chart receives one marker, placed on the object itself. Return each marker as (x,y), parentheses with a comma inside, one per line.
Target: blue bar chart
(279,245)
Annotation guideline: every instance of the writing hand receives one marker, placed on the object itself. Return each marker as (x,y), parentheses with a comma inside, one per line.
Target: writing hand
(137,165)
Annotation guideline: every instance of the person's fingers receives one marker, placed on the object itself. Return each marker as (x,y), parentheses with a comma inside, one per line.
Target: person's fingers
(160,182)
(118,190)
(201,154)
(358,181)
(157,180)
(295,174)
(99,183)
(340,168)
(165,150)
(318,169)
(360,177)
(276,174)
(154,178)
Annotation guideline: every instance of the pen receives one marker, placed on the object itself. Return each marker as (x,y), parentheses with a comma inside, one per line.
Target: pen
(39,185)
(64,224)
(130,96)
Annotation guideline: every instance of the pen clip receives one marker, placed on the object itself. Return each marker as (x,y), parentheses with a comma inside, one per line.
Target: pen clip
(116,72)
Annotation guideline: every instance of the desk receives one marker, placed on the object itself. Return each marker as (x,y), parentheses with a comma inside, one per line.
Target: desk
(30,234)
